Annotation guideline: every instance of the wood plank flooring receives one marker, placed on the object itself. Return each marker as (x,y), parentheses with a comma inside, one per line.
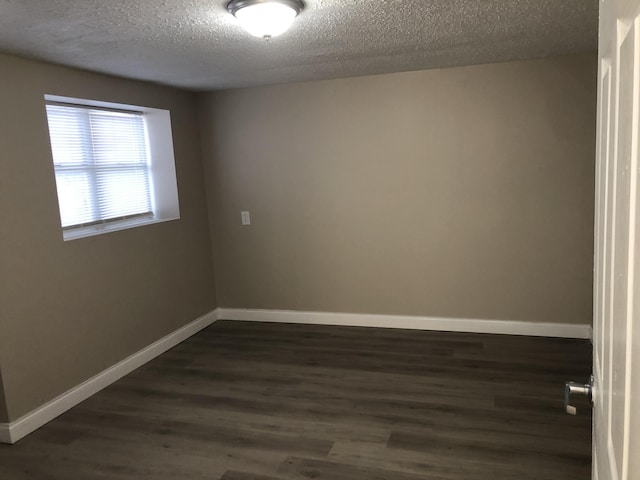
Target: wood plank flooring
(261,401)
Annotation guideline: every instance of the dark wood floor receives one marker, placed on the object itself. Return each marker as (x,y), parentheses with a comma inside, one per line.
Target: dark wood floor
(258,401)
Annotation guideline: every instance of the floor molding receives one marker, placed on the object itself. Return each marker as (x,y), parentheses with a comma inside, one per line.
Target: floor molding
(14,431)
(505,327)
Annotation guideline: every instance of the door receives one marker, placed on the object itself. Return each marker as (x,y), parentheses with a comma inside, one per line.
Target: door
(616,345)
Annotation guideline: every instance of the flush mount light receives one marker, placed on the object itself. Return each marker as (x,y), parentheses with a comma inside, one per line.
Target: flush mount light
(265,18)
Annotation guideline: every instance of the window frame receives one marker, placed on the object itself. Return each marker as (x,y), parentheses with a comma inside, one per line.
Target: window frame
(162,174)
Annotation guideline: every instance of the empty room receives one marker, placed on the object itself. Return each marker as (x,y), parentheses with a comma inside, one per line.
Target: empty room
(319,239)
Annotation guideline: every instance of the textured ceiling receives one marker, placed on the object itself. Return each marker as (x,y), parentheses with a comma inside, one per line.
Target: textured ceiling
(196,44)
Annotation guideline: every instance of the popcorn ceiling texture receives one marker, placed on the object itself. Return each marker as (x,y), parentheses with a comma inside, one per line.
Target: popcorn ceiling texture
(196,44)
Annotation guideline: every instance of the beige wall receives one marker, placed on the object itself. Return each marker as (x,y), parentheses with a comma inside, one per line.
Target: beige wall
(465,192)
(4,417)
(71,309)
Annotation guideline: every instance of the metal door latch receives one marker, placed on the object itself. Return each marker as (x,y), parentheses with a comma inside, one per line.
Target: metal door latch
(575,388)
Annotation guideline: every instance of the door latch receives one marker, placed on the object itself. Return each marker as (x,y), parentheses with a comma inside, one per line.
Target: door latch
(575,388)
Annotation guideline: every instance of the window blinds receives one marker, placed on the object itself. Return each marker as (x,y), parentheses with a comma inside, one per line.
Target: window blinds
(101,163)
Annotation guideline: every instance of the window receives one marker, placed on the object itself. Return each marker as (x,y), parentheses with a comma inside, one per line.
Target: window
(111,165)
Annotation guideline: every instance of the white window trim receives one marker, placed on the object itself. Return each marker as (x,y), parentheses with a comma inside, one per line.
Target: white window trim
(164,187)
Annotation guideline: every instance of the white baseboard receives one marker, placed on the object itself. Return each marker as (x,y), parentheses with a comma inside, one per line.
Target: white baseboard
(505,327)
(14,431)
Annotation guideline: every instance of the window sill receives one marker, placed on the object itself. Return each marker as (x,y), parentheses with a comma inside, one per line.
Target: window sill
(90,231)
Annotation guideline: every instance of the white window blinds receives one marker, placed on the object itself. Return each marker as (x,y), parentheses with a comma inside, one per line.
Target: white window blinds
(101,163)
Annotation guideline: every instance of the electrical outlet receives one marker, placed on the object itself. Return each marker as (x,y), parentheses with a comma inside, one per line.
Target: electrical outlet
(246,218)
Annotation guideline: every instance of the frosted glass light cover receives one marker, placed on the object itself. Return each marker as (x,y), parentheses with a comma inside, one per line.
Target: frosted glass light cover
(266,20)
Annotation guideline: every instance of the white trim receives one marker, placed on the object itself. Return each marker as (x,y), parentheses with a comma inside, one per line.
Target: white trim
(14,431)
(505,327)
(115,226)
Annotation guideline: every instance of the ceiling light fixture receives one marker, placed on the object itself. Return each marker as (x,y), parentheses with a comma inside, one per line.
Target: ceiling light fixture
(265,18)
